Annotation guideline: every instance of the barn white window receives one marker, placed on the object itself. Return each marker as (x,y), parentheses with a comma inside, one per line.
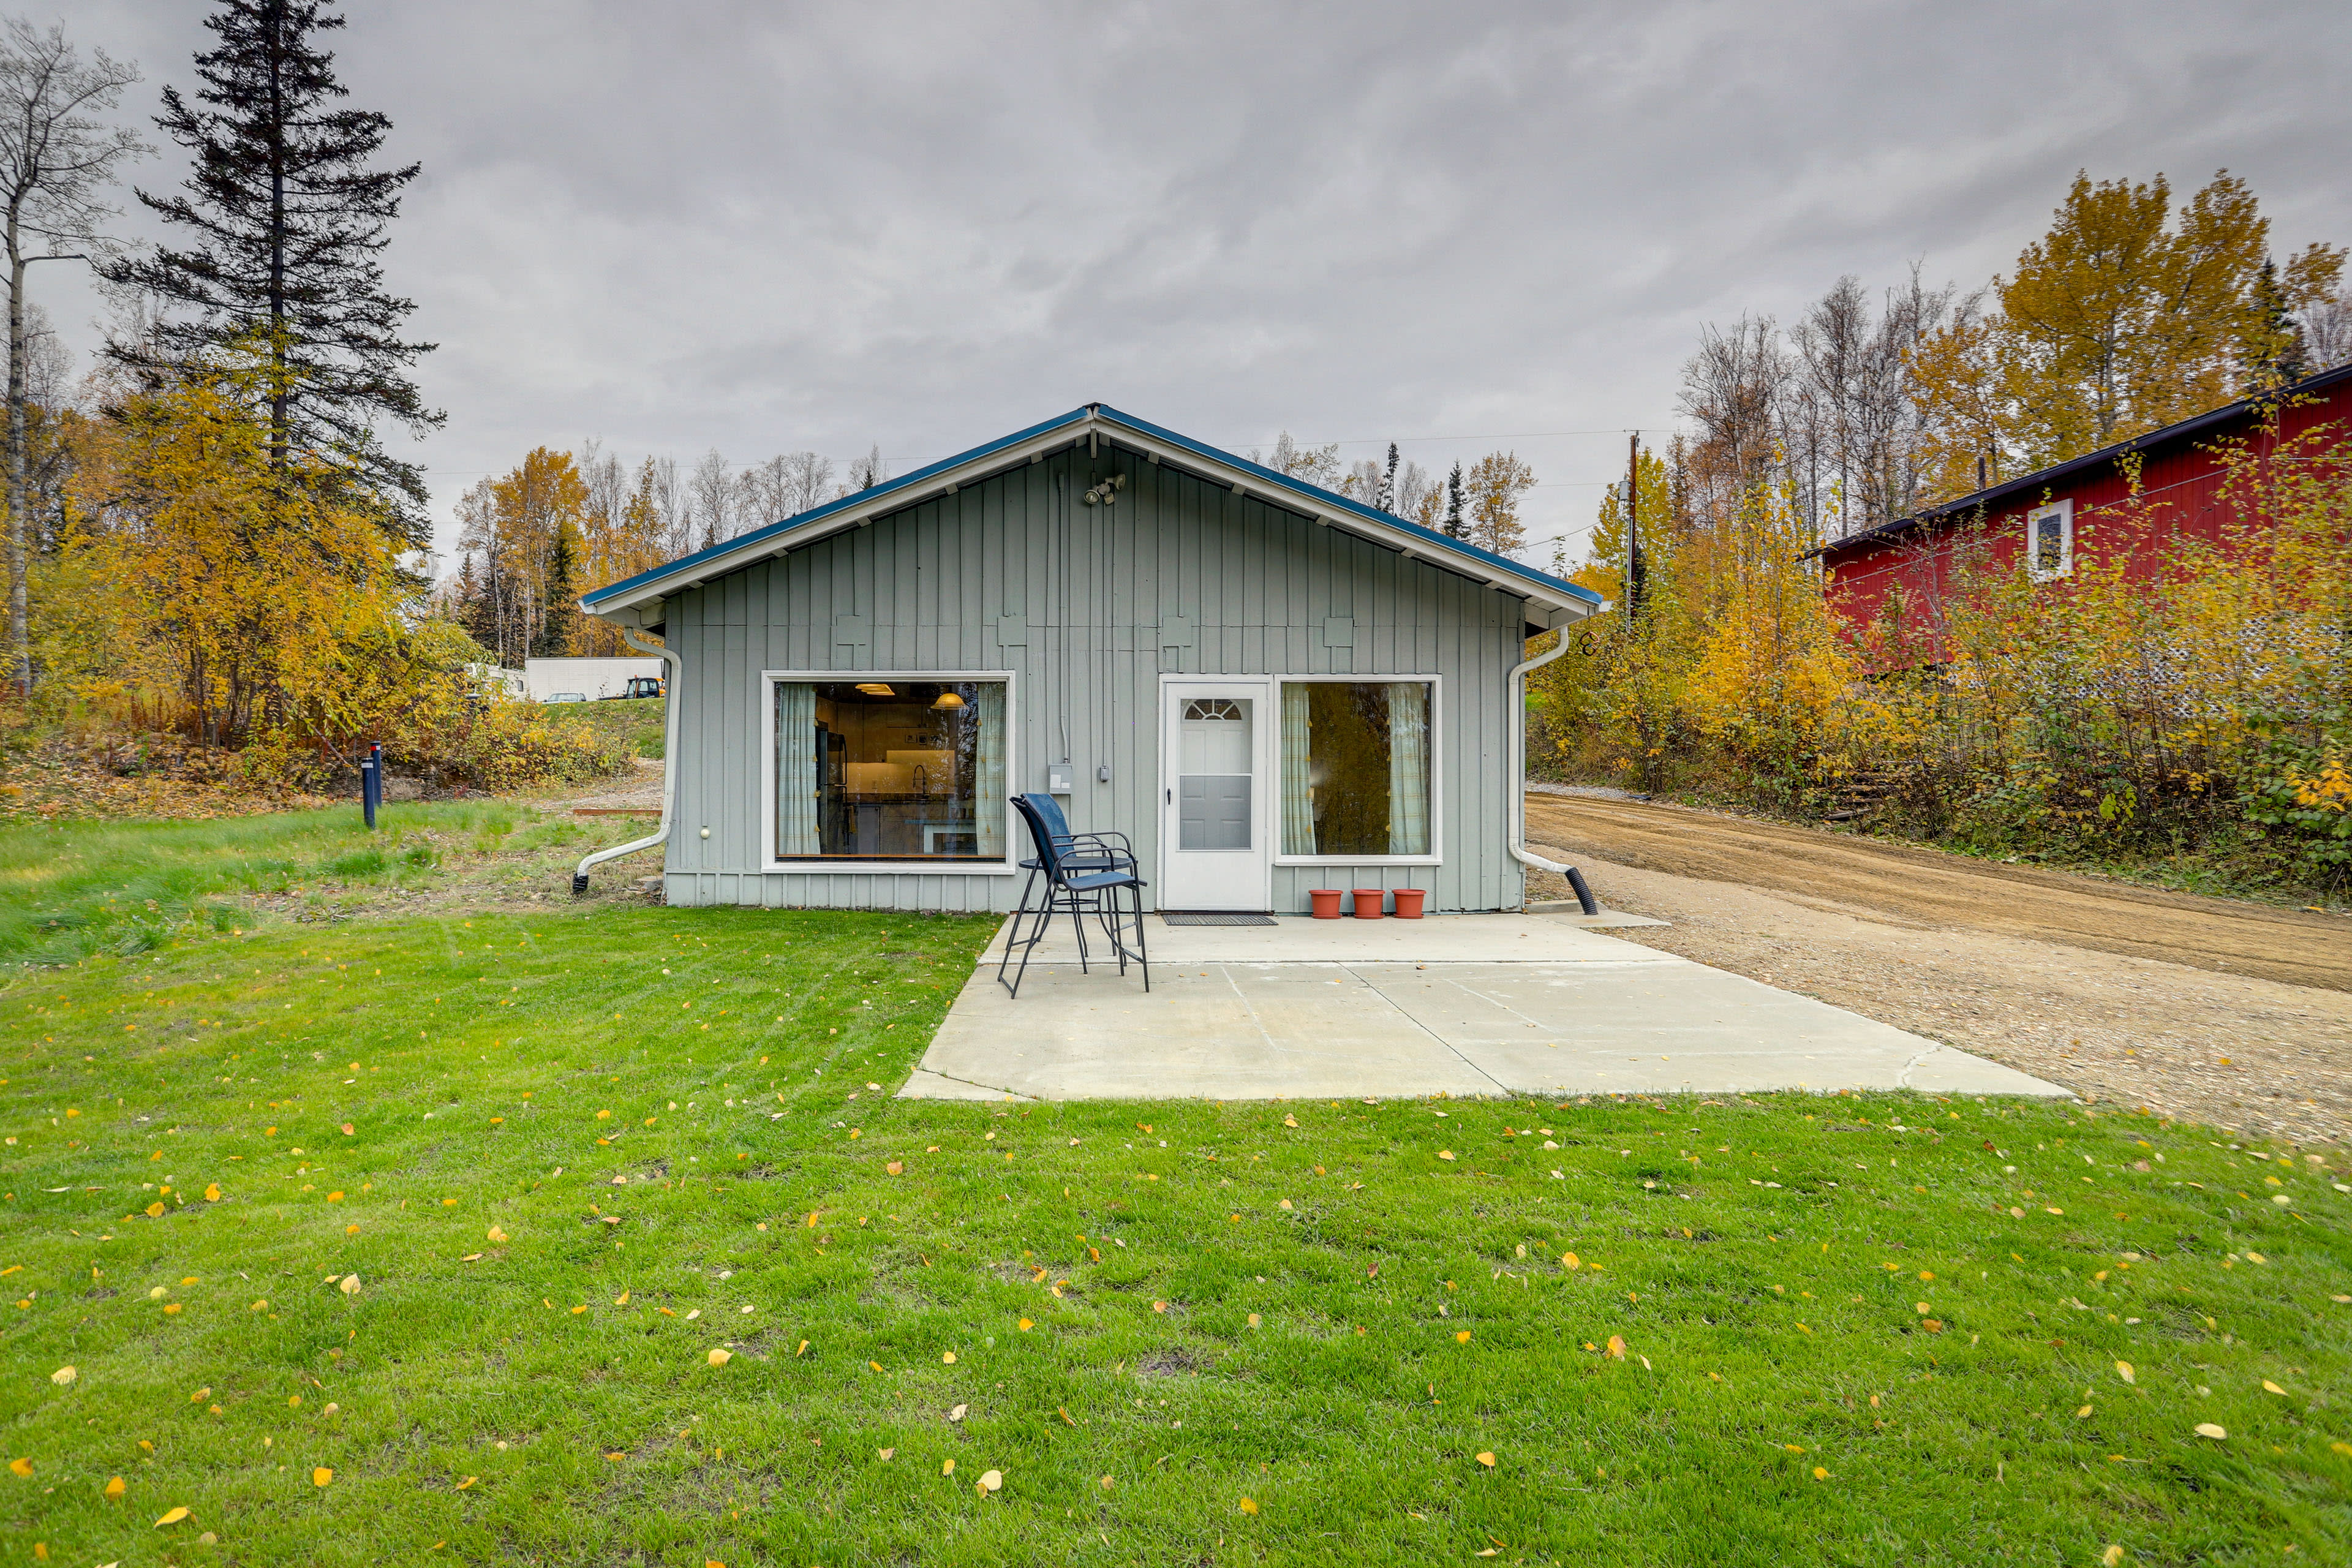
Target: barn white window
(888,771)
(2050,541)
(1357,780)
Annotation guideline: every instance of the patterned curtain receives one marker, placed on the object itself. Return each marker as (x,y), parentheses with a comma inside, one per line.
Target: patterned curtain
(989,800)
(795,770)
(1298,793)
(1408,768)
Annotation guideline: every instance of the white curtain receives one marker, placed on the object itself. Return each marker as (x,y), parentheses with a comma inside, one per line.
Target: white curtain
(990,802)
(1297,791)
(795,770)
(1408,768)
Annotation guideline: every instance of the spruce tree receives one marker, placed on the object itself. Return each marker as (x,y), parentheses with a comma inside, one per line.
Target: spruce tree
(2275,353)
(1454,503)
(559,627)
(286,216)
(1387,499)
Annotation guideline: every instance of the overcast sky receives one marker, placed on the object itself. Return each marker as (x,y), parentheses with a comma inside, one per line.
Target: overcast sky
(765,227)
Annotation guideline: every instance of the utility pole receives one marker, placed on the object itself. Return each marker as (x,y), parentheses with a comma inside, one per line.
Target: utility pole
(1634,570)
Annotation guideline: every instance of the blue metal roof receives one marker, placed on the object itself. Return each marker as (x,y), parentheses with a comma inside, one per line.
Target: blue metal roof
(915,479)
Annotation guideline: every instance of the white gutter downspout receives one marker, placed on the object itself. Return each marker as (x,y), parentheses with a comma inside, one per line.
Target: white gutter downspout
(1517,683)
(676,691)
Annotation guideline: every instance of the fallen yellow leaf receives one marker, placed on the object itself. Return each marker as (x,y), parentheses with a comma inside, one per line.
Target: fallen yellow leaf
(1569,1260)
(1487,1460)
(947,1359)
(2123,1371)
(1617,1346)
(63,1375)
(2207,1429)
(2270,1387)
(172,1515)
(321,1475)
(1462,1337)
(886,1453)
(212,1192)
(990,1480)
(2113,1556)
(468,1481)
(1820,1474)
(1445,1153)
(622,1299)
(1027,1325)
(115,1489)
(948,1467)
(720,1357)
(1249,1505)
(22,1467)
(496,1234)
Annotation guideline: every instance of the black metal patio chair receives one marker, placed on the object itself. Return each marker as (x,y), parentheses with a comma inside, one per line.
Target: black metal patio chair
(1083,873)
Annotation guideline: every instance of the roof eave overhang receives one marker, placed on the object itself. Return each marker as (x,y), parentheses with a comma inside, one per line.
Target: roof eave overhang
(640,601)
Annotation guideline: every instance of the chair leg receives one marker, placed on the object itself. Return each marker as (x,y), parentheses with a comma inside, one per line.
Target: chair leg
(1079,925)
(1142,951)
(1013,937)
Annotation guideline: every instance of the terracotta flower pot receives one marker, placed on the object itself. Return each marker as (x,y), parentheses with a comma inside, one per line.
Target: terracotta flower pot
(1368,902)
(1325,901)
(1408,901)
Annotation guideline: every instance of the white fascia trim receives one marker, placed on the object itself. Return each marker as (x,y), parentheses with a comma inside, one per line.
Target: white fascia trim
(776,544)
(1413,545)
(1561,609)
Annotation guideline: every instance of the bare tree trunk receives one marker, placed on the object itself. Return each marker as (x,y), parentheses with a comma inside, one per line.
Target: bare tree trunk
(20,640)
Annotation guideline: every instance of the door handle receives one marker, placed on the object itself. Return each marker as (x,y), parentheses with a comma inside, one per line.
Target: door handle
(1171,798)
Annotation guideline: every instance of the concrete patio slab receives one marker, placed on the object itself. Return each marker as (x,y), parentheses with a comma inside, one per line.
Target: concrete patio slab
(1295,939)
(1465,1006)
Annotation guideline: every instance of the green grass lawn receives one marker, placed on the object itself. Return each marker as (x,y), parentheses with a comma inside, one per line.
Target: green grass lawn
(416,1237)
(79,886)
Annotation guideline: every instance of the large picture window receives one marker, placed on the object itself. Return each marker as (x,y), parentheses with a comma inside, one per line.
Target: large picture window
(1355,768)
(889,769)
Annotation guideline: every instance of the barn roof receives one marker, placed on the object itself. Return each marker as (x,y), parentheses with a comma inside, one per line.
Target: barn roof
(1551,600)
(2058,475)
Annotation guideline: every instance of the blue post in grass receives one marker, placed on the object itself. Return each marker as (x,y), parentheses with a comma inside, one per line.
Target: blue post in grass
(372,783)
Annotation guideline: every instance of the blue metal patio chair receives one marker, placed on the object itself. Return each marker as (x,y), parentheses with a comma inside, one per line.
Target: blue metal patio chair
(1084,874)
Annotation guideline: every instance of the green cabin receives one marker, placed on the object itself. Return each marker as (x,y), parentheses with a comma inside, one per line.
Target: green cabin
(1268,686)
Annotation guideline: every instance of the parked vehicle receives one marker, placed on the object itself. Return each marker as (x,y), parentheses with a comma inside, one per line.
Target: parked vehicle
(639,685)
(567,697)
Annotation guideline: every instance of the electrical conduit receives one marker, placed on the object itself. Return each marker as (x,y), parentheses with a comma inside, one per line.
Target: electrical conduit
(674,691)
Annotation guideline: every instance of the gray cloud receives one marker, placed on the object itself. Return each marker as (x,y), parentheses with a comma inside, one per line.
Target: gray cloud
(764,228)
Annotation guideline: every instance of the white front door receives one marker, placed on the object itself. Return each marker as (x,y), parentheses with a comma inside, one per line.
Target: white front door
(1215,851)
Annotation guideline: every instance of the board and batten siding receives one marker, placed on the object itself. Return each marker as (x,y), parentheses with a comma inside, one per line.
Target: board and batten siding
(1088,606)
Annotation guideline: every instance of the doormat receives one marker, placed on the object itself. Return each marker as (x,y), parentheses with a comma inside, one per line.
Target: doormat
(1214,918)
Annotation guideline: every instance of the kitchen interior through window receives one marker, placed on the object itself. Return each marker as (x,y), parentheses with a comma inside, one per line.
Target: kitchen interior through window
(889,769)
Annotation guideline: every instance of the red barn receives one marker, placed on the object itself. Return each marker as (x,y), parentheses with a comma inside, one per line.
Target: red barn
(2051,521)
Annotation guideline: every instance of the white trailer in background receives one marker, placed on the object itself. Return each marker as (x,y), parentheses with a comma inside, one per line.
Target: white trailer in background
(491,678)
(592,678)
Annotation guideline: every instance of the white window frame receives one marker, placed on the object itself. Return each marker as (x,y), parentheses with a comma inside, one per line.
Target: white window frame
(2064,511)
(1436,856)
(765,693)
